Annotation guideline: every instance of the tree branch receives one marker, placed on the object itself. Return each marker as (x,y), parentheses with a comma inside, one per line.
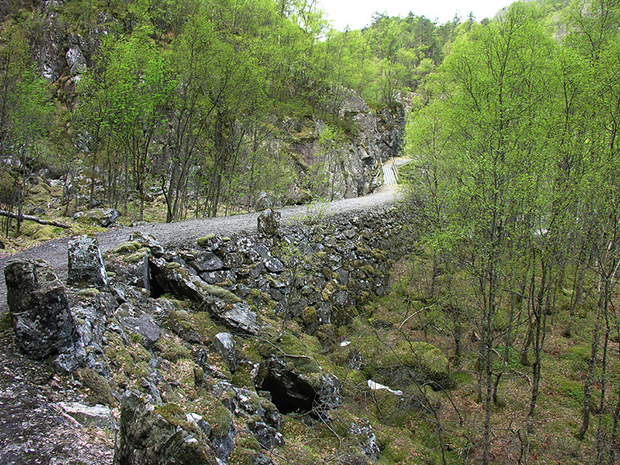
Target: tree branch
(33,218)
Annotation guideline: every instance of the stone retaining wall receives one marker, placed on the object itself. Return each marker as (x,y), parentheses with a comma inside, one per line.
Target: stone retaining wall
(318,271)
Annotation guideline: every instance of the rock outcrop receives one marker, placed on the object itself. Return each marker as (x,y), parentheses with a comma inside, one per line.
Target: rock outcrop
(158,435)
(269,222)
(86,266)
(42,320)
(351,163)
(221,303)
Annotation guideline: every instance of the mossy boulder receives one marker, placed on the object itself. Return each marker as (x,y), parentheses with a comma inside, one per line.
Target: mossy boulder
(397,362)
(159,435)
(125,248)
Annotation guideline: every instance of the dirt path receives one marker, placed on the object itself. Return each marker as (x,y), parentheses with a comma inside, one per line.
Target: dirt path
(186,232)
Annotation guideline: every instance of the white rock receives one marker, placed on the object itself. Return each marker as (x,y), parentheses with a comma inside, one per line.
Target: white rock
(99,415)
(376,386)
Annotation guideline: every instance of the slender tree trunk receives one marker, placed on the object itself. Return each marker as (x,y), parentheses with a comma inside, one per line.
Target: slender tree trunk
(487,355)
(613,451)
(576,298)
(540,320)
(589,381)
(600,433)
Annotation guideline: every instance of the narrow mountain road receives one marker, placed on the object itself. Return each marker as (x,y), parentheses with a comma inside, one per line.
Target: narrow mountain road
(390,174)
(186,232)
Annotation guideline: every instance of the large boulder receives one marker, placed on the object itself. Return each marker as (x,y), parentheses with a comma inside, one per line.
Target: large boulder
(264,201)
(86,266)
(104,217)
(39,309)
(158,435)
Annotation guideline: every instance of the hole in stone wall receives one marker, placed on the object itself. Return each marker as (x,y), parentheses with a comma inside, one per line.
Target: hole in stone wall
(156,290)
(289,392)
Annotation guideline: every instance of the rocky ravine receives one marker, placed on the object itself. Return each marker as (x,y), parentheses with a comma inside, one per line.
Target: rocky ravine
(198,353)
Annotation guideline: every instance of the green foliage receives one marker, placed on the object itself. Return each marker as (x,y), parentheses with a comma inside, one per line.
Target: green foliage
(176,95)
(517,133)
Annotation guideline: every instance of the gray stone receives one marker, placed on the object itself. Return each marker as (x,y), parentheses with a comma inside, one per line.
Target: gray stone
(215,277)
(207,261)
(239,316)
(269,222)
(39,309)
(274,265)
(98,416)
(263,251)
(138,274)
(85,263)
(366,438)
(225,345)
(145,437)
(267,436)
(71,358)
(146,327)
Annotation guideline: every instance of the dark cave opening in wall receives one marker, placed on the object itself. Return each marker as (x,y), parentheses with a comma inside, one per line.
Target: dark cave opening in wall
(289,392)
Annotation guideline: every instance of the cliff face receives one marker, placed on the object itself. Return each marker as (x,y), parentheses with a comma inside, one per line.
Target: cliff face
(61,55)
(352,162)
(337,154)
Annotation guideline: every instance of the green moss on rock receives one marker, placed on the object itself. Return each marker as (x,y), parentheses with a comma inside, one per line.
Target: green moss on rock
(136,256)
(215,413)
(398,362)
(99,388)
(125,248)
(90,292)
(220,293)
(205,240)
(171,350)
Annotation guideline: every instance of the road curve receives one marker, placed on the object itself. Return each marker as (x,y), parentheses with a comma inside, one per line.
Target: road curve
(186,232)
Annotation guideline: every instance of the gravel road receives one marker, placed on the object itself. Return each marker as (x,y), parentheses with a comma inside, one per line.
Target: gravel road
(186,232)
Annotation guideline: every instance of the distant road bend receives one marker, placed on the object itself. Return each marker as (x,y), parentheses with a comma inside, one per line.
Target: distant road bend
(186,232)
